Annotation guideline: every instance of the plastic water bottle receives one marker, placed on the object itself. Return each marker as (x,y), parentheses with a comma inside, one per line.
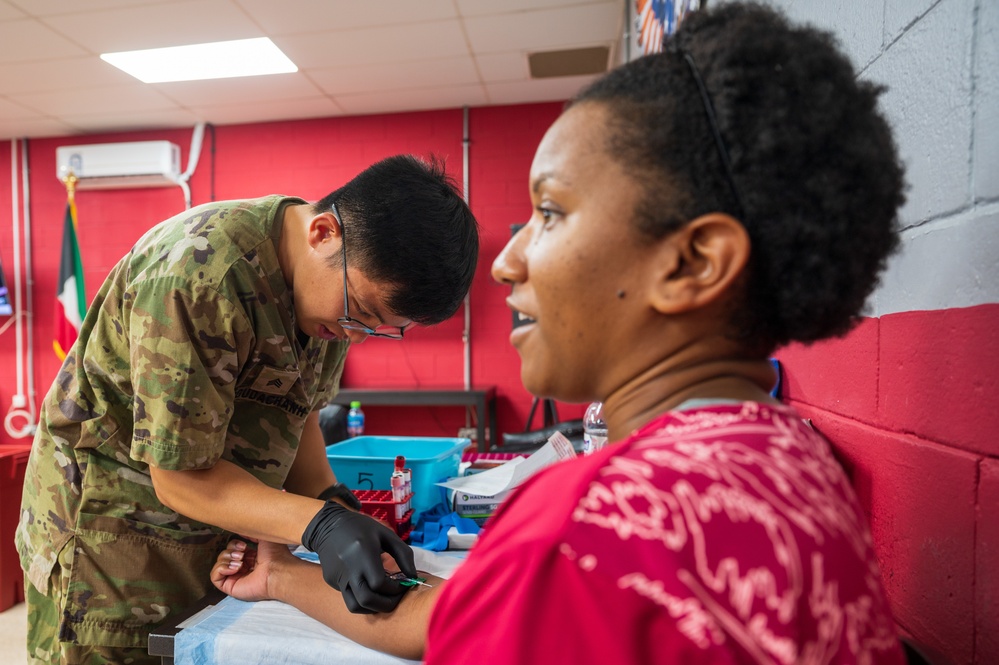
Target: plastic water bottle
(594,428)
(355,420)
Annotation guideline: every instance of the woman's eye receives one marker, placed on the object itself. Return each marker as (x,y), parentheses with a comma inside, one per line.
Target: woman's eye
(547,215)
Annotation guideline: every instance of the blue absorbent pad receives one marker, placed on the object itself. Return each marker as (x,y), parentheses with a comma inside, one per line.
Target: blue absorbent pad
(269,633)
(272,633)
(430,531)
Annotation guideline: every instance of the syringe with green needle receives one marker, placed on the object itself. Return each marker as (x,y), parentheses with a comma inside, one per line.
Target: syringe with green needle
(413,581)
(410,581)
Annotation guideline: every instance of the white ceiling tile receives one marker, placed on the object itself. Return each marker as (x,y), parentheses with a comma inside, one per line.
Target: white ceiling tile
(412,100)
(36,128)
(124,121)
(26,40)
(8,12)
(510,66)
(480,7)
(157,25)
(538,90)
(397,76)
(267,111)
(285,17)
(247,89)
(368,46)
(64,74)
(10,110)
(83,101)
(54,7)
(547,29)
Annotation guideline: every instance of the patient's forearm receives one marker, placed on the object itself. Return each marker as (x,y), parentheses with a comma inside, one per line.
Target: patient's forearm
(402,632)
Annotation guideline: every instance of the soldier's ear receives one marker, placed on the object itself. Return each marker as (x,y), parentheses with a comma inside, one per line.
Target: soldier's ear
(323,228)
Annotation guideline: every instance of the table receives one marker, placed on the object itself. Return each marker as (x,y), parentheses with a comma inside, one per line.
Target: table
(482,399)
(218,630)
(161,639)
(13,463)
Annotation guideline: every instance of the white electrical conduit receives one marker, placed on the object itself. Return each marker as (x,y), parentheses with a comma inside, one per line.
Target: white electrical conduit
(192,161)
(29,291)
(466,335)
(15,215)
(17,409)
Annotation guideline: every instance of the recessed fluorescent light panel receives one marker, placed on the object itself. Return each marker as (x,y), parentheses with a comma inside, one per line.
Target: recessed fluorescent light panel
(216,60)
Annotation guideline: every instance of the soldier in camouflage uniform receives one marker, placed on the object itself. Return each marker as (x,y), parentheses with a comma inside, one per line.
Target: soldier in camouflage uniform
(191,397)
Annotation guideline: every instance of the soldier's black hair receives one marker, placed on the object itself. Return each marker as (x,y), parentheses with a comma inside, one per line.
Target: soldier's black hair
(811,158)
(408,226)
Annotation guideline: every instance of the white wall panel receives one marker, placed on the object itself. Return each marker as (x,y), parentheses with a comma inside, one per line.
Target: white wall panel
(985,151)
(928,73)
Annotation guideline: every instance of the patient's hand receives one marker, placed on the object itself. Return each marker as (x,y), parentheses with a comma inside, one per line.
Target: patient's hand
(245,573)
(272,572)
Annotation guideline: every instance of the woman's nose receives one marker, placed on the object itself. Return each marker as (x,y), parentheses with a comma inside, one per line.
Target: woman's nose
(509,266)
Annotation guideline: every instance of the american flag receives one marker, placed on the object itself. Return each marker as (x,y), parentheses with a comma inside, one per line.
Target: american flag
(654,19)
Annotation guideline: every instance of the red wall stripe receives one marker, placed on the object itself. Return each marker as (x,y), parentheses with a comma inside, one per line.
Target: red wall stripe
(920,500)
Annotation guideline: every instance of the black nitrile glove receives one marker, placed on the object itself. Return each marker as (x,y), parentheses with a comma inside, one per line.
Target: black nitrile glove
(350,547)
(343,493)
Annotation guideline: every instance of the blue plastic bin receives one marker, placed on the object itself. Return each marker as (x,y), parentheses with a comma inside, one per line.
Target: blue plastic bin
(367,462)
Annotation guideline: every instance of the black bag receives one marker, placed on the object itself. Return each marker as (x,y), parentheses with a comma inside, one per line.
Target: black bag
(333,423)
(528,442)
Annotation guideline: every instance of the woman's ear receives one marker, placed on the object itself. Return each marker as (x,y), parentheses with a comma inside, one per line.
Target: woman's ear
(699,262)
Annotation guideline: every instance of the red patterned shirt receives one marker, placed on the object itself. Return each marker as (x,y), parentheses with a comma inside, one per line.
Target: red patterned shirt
(725,534)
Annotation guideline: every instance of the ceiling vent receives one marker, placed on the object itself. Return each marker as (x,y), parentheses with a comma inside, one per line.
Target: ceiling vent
(571,62)
(117,165)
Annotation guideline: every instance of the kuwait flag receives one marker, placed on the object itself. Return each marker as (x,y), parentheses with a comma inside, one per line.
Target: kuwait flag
(71,300)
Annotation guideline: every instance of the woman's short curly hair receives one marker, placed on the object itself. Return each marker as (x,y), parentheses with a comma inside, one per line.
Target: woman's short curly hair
(816,173)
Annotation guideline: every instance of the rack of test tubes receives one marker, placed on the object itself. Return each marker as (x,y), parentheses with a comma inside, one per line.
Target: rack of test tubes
(394,507)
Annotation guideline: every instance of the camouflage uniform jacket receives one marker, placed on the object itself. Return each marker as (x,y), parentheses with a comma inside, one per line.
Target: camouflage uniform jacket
(188,354)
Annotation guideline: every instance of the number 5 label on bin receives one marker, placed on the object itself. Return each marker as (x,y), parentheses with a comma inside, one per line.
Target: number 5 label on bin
(362,478)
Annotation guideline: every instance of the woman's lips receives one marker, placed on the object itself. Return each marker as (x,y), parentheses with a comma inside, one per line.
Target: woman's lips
(524,326)
(522,319)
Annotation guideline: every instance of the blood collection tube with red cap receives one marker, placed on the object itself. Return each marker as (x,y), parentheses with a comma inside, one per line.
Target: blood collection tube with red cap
(398,484)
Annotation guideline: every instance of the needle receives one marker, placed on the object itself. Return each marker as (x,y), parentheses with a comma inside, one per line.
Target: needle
(409,581)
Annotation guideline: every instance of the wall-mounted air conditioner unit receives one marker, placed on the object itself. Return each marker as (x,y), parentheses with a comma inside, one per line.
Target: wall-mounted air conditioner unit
(114,165)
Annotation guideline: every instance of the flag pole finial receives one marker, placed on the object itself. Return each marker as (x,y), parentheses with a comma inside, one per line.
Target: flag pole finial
(70,181)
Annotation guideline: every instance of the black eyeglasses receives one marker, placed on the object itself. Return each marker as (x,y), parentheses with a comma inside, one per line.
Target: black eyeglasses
(709,110)
(347,323)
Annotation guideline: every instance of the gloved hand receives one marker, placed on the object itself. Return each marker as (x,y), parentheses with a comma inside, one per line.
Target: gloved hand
(343,493)
(350,547)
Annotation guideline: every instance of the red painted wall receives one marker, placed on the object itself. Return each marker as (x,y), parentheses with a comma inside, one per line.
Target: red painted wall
(309,158)
(904,401)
